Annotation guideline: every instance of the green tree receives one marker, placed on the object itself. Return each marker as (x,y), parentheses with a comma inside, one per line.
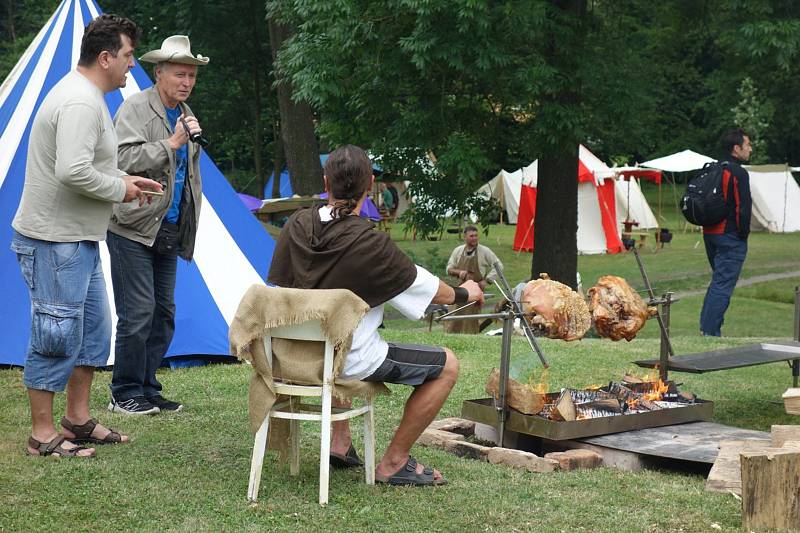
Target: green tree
(753,115)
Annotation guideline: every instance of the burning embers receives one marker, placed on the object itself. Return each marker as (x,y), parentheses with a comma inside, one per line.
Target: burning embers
(629,396)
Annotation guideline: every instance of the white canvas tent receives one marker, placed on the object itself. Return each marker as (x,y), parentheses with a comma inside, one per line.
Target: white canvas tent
(632,205)
(679,162)
(505,188)
(776,199)
(630,200)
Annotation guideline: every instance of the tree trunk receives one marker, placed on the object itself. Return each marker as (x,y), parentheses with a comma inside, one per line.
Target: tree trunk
(258,136)
(12,33)
(556,222)
(297,125)
(279,161)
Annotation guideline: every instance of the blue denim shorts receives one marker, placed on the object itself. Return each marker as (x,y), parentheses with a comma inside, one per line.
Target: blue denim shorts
(70,315)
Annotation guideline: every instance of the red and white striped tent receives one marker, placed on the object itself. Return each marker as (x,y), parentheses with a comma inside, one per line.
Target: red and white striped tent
(598,223)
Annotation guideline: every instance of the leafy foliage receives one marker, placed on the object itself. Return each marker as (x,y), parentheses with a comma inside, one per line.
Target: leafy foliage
(468,80)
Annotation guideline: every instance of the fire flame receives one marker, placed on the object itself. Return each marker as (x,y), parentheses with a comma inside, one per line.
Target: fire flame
(541,386)
(659,389)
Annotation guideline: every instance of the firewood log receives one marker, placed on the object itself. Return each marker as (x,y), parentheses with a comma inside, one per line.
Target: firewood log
(518,396)
(564,408)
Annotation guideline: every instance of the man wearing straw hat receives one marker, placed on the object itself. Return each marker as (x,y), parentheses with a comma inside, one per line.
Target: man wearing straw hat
(159,136)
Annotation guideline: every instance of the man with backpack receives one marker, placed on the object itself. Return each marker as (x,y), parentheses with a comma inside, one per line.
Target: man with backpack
(726,240)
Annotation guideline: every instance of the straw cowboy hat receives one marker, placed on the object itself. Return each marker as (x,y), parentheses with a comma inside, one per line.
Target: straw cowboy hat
(174,49)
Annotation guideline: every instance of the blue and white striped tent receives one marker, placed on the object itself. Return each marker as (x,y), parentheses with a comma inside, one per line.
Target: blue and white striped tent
(232,252)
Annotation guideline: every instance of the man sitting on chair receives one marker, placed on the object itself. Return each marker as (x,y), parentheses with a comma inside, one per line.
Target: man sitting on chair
(331,247)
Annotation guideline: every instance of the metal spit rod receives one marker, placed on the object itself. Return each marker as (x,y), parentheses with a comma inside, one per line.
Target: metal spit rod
(515,307)
(664,331)
(505,363)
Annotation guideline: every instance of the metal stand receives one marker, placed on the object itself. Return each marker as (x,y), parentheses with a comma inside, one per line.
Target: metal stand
(508,318)
(662,316)
(663,368)
(796,362)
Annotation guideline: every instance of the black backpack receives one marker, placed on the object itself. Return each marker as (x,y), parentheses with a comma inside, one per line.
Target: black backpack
(704,204)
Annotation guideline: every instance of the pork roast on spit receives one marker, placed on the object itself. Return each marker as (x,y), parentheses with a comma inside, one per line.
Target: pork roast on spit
(617,310)
(556,309)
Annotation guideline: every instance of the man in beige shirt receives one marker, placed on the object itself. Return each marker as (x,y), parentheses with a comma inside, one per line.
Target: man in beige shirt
(71,182)
(472,260)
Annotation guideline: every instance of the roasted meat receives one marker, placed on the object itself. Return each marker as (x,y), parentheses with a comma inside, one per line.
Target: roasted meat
(618,312)
(556,309)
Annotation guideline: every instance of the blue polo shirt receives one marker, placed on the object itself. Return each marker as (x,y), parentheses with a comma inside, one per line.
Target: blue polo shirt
(181,163)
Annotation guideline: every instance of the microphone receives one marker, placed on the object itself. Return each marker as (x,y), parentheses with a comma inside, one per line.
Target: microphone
(194,137)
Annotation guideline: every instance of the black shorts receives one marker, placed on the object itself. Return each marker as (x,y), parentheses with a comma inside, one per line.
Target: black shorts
(410,364)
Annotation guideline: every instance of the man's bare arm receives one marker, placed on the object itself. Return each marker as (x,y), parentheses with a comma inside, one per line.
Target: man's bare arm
(447,295)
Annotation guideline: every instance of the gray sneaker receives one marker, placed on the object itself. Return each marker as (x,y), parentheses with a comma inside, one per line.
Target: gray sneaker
(133,406)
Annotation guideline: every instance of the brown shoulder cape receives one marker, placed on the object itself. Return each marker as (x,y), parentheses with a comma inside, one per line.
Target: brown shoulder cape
(345,253)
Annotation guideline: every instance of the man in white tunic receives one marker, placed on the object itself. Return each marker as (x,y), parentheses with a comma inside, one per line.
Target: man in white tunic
(331,247)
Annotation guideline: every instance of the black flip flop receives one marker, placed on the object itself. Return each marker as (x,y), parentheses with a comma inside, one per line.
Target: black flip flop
(348,460)
(407,476)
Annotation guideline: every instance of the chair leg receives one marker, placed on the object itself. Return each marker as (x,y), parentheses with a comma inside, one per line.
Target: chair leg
(325,445)
(257,462)
(369,444)
(294,451)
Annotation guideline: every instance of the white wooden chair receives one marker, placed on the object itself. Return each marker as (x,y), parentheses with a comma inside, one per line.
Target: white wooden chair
(293,410)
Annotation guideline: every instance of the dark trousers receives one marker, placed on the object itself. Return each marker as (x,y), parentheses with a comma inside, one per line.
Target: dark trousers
(144,290)
(726,254)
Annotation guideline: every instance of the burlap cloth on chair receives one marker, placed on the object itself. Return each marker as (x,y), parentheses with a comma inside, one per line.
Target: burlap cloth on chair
(297,362)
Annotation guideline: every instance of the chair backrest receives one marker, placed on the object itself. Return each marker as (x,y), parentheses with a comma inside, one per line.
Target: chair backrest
(310,330)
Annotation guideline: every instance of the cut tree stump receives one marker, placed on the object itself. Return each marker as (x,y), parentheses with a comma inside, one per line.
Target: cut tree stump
(518,396)
(771,490)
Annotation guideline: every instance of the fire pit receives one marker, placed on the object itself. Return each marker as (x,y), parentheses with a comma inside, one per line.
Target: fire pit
(617,407)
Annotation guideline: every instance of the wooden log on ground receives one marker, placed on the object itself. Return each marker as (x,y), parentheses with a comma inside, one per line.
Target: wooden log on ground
(771,490)
(518,396)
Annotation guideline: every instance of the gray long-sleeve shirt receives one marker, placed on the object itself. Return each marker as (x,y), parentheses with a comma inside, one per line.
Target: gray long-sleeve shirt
(71,176)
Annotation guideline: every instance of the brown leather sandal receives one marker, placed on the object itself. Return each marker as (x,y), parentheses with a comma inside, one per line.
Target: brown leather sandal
(54,447)
(83,433)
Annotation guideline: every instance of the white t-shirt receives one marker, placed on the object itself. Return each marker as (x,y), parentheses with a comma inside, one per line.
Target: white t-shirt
(368,350)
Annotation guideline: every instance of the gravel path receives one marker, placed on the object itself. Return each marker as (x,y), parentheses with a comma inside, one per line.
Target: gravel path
(747,281)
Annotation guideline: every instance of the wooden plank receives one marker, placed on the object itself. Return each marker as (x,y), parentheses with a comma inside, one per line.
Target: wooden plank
(726,474)
(771,490)
(694,442)
(781,434)
(791,401)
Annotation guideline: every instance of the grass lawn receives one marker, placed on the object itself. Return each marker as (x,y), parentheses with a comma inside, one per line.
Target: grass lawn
(189,471)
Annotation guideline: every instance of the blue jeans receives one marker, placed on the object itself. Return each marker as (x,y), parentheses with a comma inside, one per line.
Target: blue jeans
(726,254)
(70,316)
(144,290)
